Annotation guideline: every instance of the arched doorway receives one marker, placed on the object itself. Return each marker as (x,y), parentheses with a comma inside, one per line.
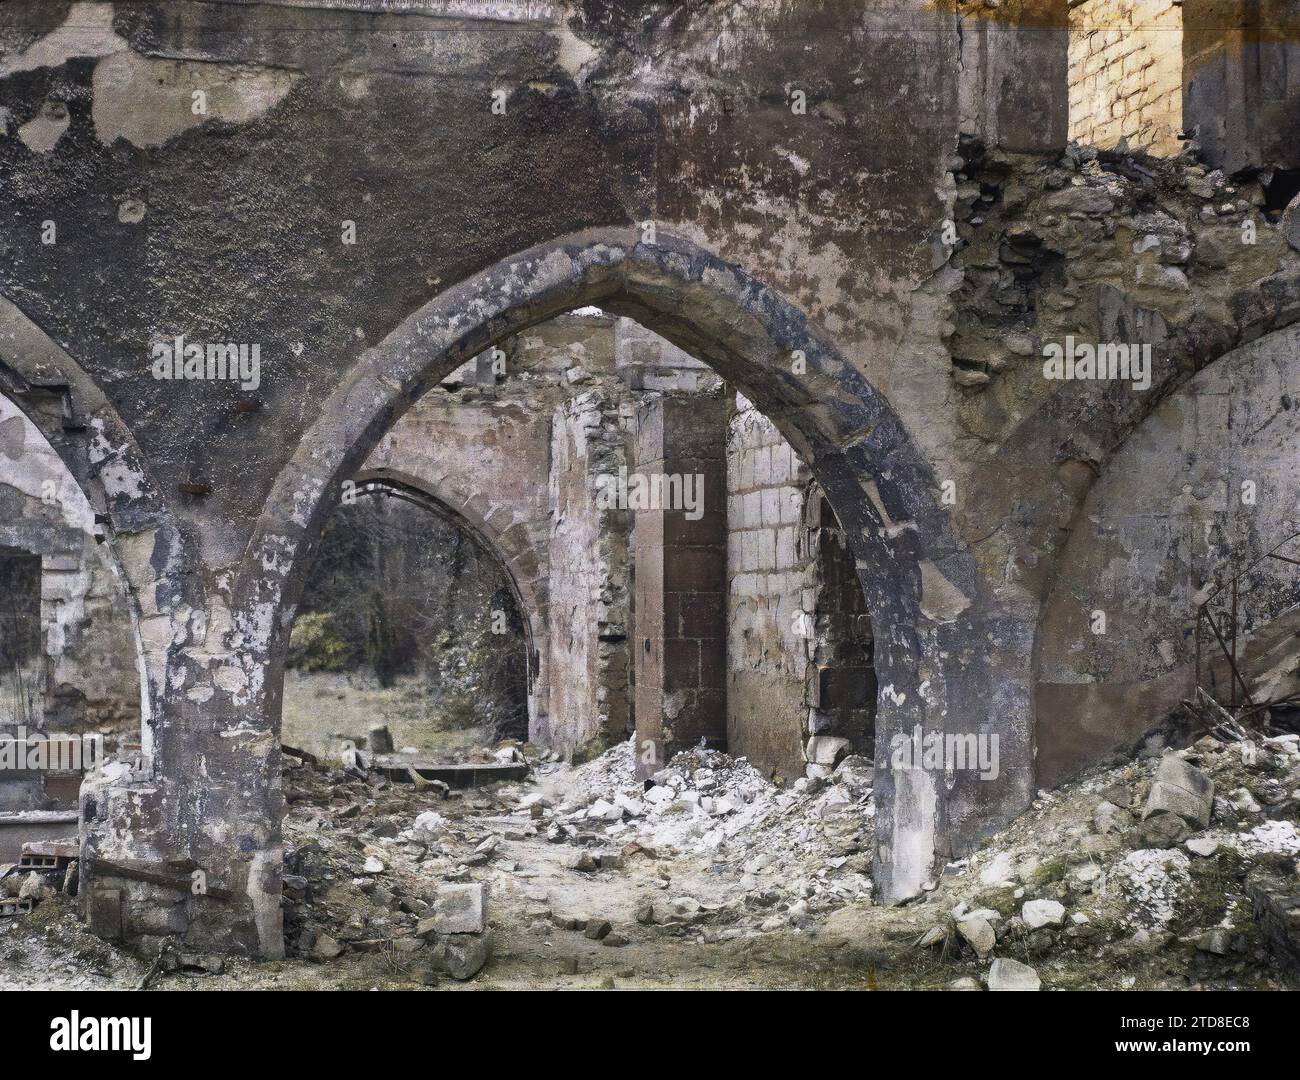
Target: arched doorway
(920,585)
(410,620)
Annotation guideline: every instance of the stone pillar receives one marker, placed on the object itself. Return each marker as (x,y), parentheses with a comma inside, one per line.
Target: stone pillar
(183,844)
(1241,82)
(680,587)
(1014,91)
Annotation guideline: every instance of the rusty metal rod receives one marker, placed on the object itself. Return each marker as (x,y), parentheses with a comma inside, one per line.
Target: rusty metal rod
(1231,663)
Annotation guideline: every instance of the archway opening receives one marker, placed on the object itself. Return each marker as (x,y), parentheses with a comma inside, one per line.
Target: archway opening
(919,581)
(409,636)
(69,682)
(700,647)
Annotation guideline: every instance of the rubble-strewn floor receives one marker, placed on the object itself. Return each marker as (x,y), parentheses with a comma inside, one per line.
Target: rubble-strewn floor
(715,877)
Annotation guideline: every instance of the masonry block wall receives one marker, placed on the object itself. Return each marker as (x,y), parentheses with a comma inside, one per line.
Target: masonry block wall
(842,688)
(771,597)
(1126,74)
(680,567)
(799,641)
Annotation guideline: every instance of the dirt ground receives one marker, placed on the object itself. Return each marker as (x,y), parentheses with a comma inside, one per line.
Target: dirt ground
(323,708)
(749,885)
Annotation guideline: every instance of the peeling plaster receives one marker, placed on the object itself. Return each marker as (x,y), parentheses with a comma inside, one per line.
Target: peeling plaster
(149,101)
(42,133)
(87,31)
(941,600)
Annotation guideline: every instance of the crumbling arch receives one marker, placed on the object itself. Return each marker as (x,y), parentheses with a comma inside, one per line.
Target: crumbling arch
(463,506)
(144,544)
(1204,486)
(921,585)
(1061,449)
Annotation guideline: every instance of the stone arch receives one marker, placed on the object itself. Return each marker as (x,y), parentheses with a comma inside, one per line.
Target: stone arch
(143,543)
(921,585)
(1162,522)
(1060,450)
(476,512)
(85,672)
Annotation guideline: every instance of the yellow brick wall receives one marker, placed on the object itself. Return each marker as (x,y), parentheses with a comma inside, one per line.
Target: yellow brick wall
(1126,74)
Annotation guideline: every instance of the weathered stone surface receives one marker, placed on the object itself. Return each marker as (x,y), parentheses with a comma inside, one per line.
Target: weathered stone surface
(813,297)
(1181,789)
(826,750)
(1275,901)
(1109,818)
(104,913)
(1291,223)
(1163,830)
(461,956)
(1008,974)
(978,933)
(1039,913)
(459,909)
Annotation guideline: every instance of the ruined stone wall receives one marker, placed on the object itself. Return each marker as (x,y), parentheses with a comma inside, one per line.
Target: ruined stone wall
(1241,76)
(843,689)
(1206,486)
(798,634)
(590,578)
(679,638)
(88,680)
(824,230)
(1126,74)
(513,448)
(784,229)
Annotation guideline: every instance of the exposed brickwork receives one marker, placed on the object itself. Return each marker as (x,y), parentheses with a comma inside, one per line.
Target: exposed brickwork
(798,636)
(771,595)
(1126,74)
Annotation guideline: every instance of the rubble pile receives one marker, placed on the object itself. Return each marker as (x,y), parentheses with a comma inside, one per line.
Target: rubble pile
(372,866)
(776,856)
(1177,871)
(1186,869)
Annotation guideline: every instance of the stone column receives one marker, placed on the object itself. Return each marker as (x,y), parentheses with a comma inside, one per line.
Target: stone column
(182,844)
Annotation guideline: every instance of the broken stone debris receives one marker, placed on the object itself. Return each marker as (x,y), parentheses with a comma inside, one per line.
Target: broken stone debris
(1059,888)
(1181,790)
(1178,877)
(781,854)
(1008,974)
